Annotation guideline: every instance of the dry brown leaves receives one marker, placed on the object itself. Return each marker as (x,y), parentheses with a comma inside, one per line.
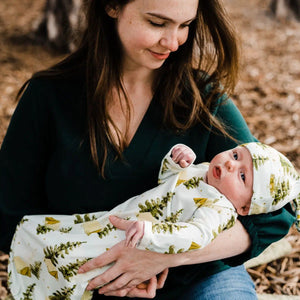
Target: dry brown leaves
(3,275)
(281,276)
(268,93)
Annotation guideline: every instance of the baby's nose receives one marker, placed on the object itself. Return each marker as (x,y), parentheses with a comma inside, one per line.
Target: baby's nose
(229,165)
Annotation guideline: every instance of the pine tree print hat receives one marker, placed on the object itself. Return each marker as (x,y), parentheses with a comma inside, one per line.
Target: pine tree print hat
(275,181)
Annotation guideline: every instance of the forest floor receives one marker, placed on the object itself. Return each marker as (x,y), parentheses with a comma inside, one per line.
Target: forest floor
(268,95)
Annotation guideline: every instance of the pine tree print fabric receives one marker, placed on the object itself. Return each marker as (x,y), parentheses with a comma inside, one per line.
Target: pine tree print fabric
(275,181)
(181,214)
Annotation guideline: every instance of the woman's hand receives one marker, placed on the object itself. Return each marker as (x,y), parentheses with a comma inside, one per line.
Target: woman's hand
(143,290)
(132,267)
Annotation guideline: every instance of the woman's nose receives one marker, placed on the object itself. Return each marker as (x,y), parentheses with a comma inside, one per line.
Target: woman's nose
(170,40)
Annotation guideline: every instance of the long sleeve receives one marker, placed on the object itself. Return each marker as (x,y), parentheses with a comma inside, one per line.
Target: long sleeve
(196,212)
(22,163)
(169,167)
(206,223)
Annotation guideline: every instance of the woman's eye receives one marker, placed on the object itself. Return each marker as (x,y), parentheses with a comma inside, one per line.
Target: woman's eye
(156,24)
(235,155)
(243,176)
(185,25)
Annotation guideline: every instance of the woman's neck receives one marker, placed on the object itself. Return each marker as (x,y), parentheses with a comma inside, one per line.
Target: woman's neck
(139,92)
(138,79)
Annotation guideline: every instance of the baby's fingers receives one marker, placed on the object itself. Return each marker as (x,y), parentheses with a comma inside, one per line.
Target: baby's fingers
(183,164)
(130,233)
(135,239)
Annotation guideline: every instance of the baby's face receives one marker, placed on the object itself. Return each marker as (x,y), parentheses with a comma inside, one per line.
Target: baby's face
(231,172)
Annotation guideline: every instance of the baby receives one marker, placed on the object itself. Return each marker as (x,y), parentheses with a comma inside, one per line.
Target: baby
(186,211)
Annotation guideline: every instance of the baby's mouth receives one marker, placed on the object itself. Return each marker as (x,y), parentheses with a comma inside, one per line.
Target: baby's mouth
(217,172)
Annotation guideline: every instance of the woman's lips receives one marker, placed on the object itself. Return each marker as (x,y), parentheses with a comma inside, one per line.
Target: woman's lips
(160,56)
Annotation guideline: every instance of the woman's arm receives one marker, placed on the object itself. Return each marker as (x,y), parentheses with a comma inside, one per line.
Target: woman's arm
(133,266)
(228,243)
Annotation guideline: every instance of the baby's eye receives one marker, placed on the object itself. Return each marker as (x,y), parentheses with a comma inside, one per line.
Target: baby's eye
(243,176)
(235,155)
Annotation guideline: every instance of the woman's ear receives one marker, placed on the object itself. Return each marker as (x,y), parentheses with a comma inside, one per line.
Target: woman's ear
(112,11)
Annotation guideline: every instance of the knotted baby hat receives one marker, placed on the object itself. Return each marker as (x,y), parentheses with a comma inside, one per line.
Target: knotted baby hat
(275,181)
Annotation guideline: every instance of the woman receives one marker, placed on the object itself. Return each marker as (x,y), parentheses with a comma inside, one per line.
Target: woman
(91,131)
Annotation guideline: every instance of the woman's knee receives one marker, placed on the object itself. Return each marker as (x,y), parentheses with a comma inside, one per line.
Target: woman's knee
(231,284)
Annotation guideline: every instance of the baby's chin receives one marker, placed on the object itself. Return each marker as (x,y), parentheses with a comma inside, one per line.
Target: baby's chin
(206,178)
(209,178)
(210,182)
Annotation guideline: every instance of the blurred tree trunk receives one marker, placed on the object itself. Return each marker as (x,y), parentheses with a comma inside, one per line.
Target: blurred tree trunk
(61,23)
(285,9)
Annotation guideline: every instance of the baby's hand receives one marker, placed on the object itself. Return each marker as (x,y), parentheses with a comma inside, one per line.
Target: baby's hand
(183,155)
(134,233)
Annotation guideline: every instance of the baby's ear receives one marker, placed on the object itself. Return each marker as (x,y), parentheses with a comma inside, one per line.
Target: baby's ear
(244,210)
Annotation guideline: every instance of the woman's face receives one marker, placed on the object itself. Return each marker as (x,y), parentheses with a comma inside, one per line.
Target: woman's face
(150,30)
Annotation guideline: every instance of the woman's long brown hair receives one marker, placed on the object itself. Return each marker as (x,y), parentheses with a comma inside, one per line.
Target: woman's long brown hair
(209,57)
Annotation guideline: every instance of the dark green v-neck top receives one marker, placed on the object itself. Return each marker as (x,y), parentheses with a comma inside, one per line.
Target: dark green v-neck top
(45,165)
